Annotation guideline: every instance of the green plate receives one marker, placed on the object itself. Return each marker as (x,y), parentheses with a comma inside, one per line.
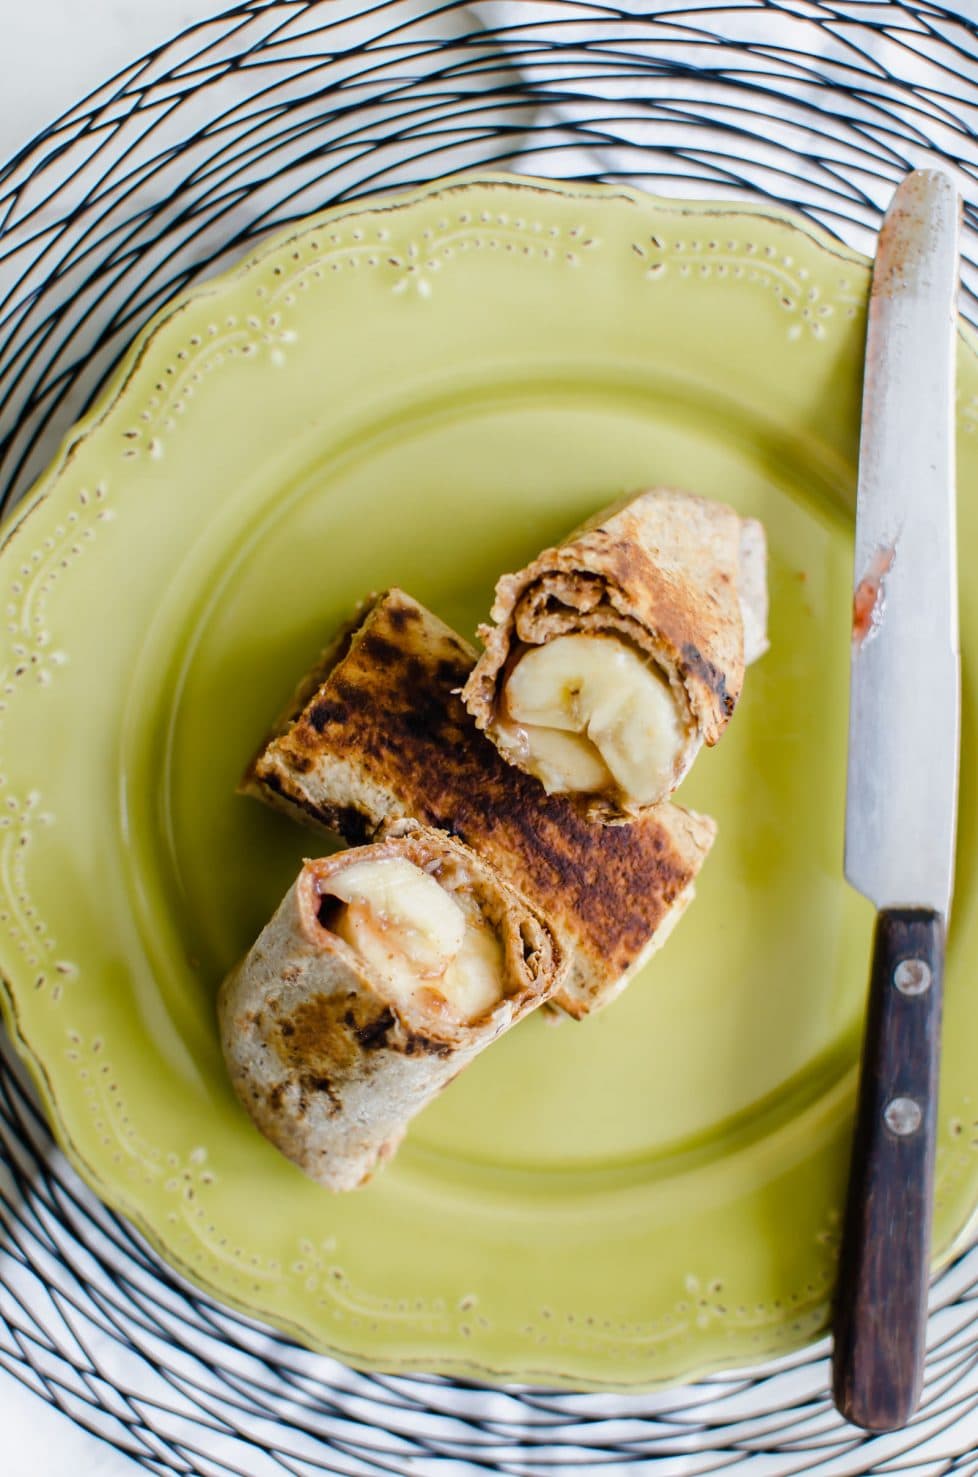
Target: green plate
(427,390)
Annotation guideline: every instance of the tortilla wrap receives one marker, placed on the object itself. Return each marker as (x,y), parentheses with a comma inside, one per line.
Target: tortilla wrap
(329,1062)
(681,581)
(381,733)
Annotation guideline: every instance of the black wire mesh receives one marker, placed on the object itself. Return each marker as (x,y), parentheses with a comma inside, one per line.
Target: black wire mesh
(161,177)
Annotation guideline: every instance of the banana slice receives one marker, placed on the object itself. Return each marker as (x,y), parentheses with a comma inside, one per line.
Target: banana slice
(416,936)
(471,981)
(562,761)
(602,695)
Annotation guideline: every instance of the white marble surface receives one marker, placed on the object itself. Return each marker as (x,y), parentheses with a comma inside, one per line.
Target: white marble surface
(53,52)
(41,1442)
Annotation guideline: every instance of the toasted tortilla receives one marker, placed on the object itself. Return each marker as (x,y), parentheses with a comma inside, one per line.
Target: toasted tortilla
(332,1067)
(383,734)
(680,578)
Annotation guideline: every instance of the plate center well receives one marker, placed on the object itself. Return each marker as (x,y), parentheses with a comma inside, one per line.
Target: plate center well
(754,1001)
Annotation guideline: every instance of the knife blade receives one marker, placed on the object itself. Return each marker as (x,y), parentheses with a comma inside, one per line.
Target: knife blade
(903,729)
(901,802)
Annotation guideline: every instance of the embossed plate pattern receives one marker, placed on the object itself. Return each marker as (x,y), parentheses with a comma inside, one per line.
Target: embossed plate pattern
(425,391)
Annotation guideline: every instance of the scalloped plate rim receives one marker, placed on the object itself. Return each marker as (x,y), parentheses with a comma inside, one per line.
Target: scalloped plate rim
(47,485)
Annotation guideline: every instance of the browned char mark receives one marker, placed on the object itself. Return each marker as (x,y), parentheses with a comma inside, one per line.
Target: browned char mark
(390,713)
(399,719)
(694,662)
(417,1041)
(346,820)
(375,1032)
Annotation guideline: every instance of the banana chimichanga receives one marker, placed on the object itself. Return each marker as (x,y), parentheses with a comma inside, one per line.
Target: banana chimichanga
(614,656)
(379,732)
(385,971)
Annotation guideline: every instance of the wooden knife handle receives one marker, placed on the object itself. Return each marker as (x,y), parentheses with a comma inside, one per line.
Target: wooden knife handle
(880,1321)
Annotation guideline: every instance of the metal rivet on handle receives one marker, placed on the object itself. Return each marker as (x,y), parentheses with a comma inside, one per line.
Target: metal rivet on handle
(903,1116)
(912,977)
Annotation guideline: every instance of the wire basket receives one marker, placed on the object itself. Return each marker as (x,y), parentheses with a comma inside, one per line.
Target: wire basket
(241,124)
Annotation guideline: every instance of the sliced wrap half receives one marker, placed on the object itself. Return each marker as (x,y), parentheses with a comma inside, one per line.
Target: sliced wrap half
(378,731)
(384,972)
(616,655)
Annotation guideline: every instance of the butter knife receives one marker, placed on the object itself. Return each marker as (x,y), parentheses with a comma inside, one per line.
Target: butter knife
(901,799)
